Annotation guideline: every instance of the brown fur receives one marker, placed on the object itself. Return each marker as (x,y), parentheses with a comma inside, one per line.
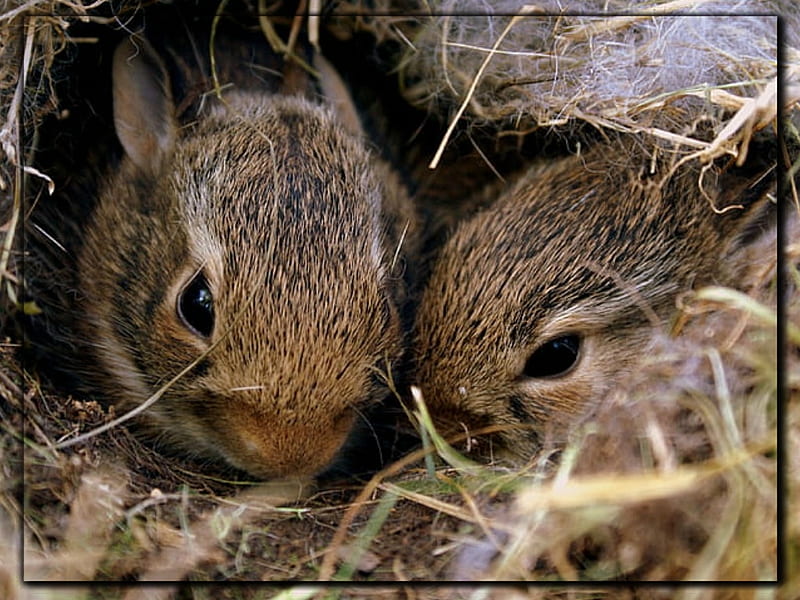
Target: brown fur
(594,245)
(294,224)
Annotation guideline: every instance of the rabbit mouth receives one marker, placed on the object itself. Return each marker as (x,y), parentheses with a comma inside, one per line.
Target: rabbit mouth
(271,449)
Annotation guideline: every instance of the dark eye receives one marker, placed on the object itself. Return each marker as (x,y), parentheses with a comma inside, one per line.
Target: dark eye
(553,358)
(196,306)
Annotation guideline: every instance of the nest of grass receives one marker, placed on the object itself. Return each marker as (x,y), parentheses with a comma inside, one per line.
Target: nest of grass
(672,477)
(656,69)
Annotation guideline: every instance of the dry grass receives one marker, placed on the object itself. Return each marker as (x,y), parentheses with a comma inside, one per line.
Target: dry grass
(641,73)
(673,477)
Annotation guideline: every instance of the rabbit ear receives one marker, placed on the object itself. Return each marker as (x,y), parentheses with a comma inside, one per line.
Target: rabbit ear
(143,108)
(745,196)
(336,92)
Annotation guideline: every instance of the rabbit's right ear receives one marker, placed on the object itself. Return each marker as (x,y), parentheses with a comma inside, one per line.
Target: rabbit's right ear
(143,108)
(336,92)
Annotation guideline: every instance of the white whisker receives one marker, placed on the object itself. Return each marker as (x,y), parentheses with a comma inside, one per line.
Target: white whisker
(246,388)
(399,245)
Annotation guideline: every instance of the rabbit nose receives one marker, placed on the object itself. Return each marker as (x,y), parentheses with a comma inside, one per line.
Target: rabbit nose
(270,448)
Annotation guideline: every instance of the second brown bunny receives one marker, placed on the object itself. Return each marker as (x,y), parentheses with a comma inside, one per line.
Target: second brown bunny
(541,303)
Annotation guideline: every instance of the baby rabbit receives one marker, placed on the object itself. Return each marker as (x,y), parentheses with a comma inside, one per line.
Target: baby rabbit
(261,242)
(540,303)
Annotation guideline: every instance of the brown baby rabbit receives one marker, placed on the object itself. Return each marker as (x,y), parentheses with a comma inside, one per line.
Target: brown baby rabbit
(544,300)
(262,242)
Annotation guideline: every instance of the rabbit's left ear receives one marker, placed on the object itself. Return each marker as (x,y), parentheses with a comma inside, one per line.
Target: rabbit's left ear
(143,109)
(336,93)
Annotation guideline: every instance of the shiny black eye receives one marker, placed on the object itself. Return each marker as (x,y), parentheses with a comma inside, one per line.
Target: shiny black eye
(553,358)
(196,306)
